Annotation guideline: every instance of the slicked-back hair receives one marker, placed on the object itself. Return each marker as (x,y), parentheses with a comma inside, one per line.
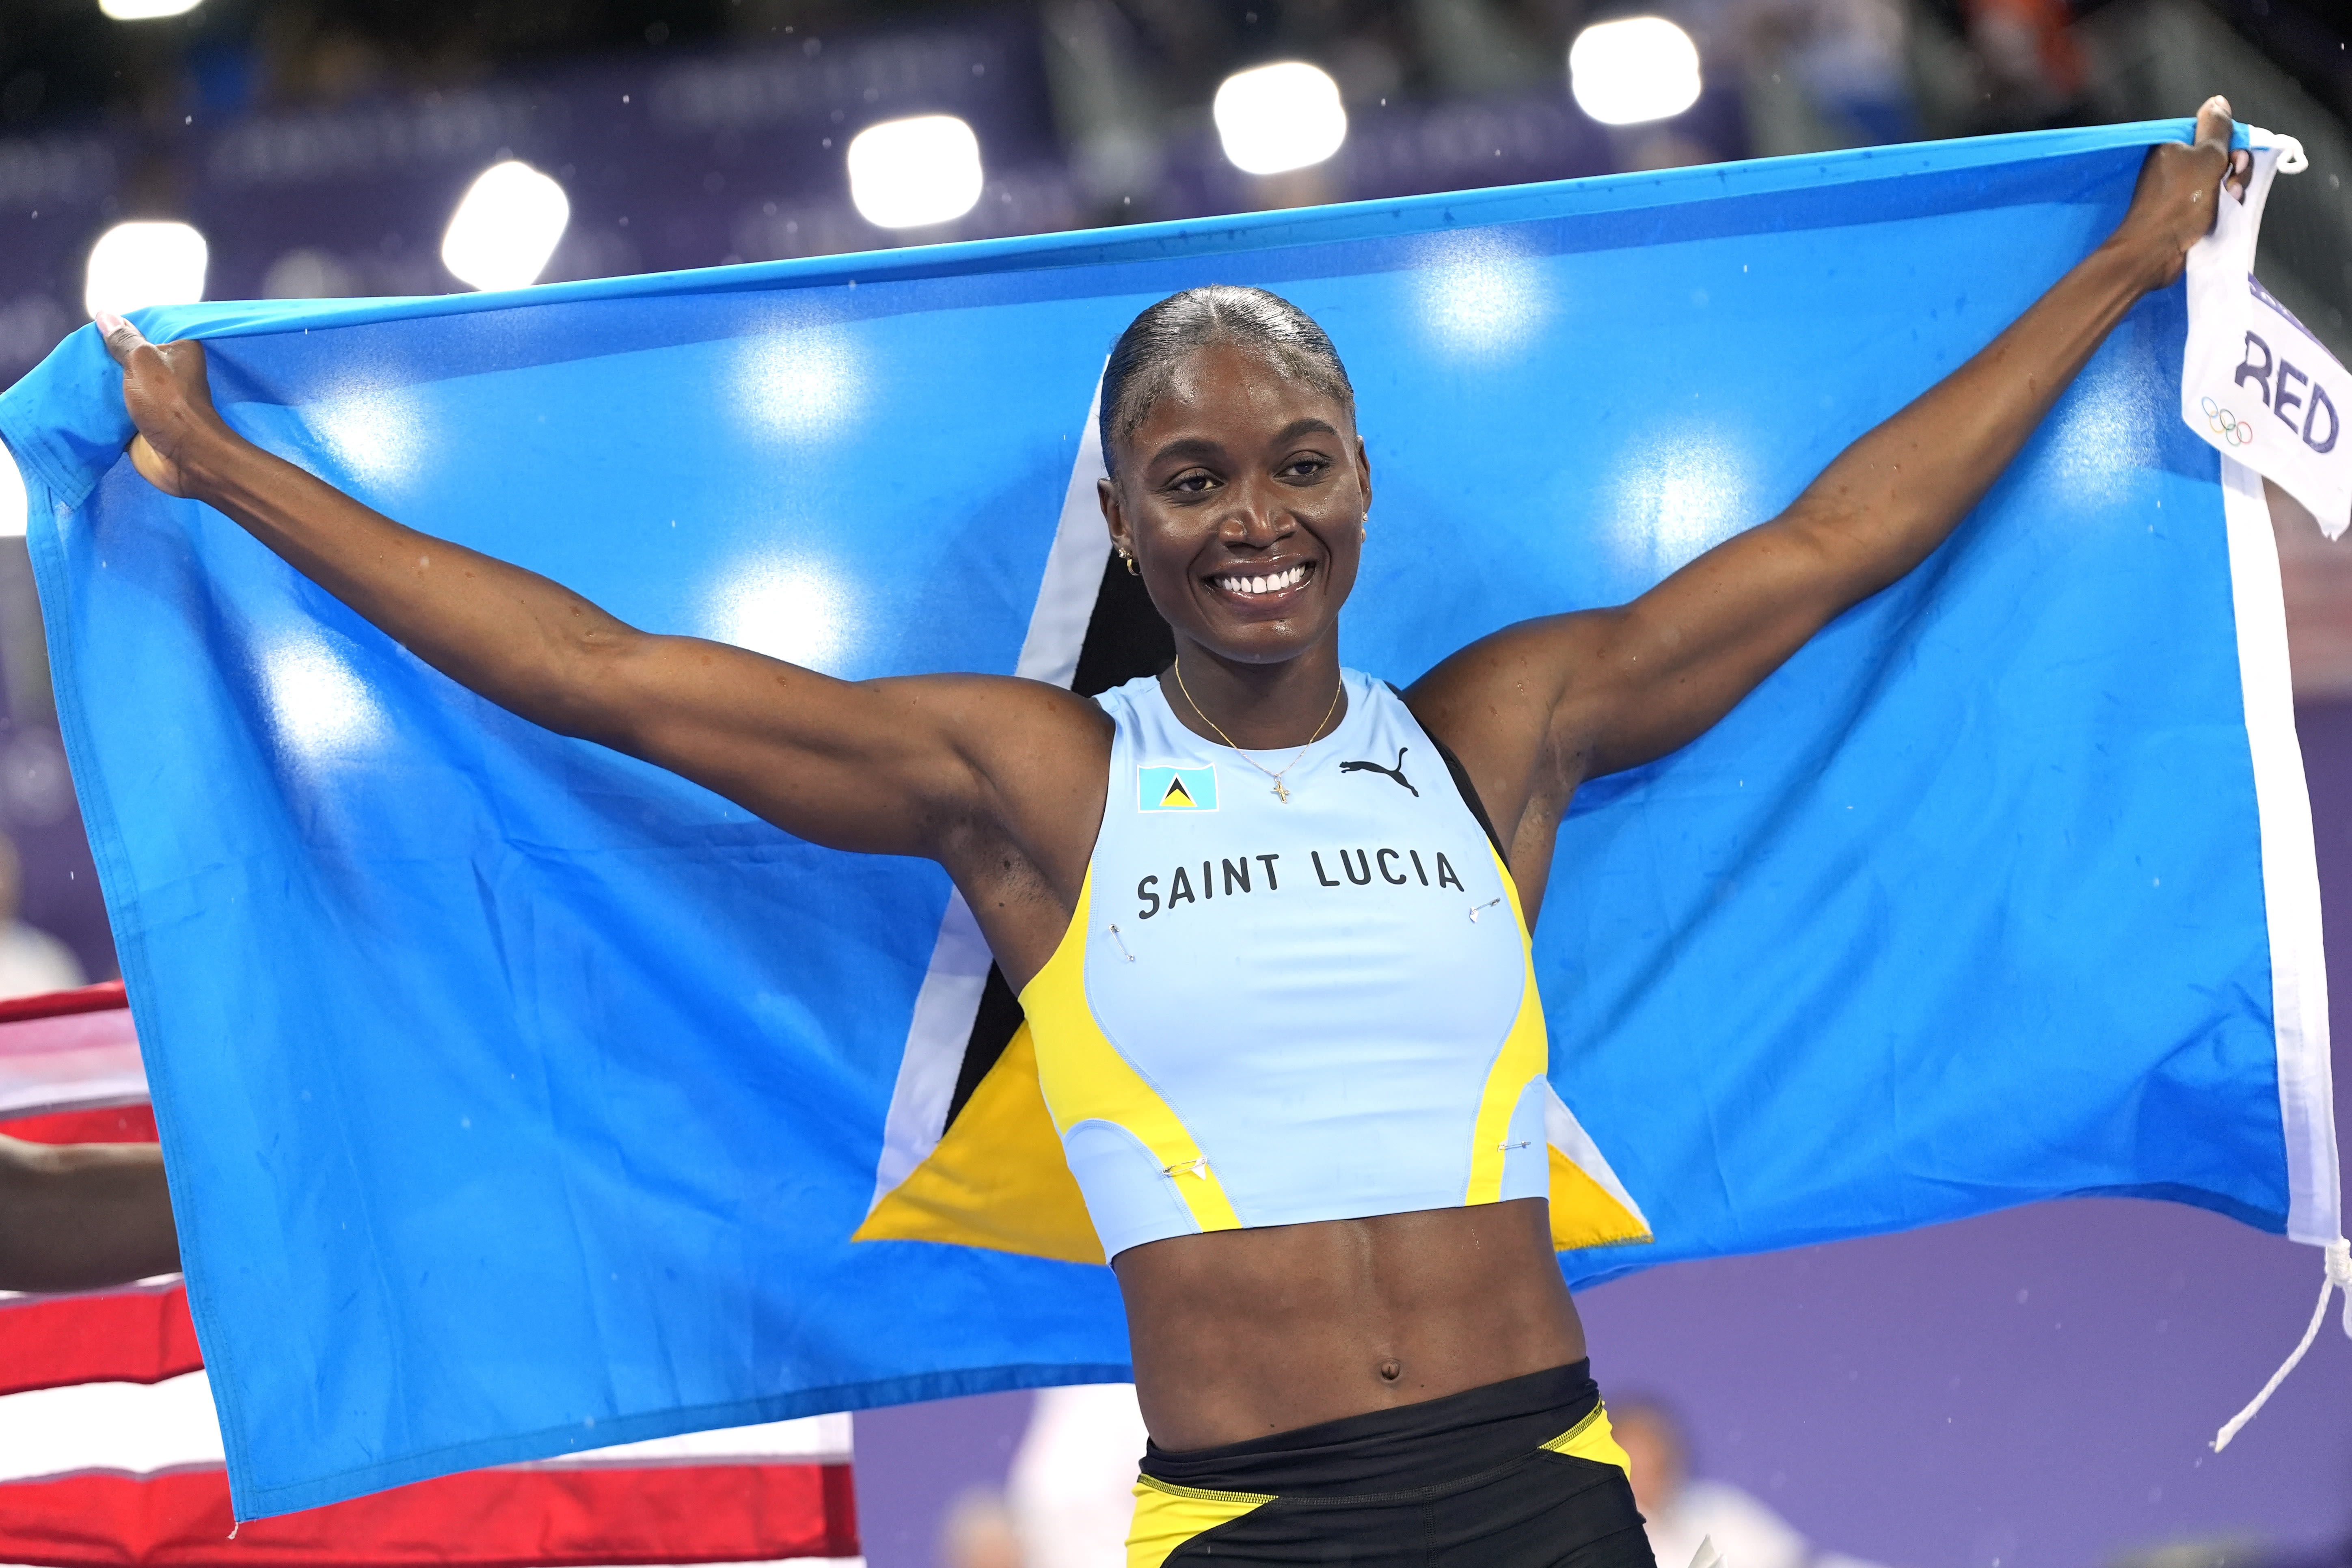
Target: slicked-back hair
(1144,360)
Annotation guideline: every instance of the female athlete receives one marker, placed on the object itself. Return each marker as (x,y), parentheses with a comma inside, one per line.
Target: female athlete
(1315,1152)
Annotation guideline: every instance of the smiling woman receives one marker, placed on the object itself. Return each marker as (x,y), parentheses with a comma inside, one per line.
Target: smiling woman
(1266,915)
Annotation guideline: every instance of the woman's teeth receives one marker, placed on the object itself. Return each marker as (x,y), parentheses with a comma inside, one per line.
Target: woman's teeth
(1273,583)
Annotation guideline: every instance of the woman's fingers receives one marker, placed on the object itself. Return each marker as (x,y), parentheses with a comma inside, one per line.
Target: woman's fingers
(151,372)
(2215,130)
(163,391)
(2173,206)
(120,336)
(2214,126)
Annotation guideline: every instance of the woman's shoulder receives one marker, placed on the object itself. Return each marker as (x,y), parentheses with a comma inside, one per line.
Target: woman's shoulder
(1381,690)
(1129,698)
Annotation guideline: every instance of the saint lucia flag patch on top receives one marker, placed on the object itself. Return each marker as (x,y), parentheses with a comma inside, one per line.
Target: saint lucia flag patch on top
(1166,788)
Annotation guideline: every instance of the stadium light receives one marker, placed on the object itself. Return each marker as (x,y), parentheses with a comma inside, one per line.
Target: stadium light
(912,173)
(792,610)
(1279,117)
(13,505)
(505,227)
(137,264)
(146,10)
(1640,67)
(323,710)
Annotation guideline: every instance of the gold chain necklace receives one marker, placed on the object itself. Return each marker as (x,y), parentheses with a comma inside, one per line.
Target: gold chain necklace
(1280,792)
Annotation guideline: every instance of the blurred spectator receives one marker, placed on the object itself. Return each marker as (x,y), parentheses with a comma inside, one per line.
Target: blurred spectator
(1681,1512)
(2028,62)
(31,960)
(978,1534)
(1824,73)
(2223,1552)
(1072,1488)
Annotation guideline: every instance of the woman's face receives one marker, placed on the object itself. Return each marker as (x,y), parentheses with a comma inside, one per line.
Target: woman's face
(1242,496)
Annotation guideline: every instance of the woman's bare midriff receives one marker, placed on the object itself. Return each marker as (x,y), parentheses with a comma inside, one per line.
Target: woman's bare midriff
(1242,1333)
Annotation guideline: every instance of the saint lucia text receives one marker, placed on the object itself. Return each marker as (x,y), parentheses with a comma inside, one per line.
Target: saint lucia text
(1358,867)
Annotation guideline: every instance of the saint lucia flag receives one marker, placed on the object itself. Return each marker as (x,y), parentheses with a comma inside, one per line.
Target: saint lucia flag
(520,1099)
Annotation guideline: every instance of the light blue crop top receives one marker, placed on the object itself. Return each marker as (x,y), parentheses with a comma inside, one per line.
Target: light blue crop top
(1268,1012)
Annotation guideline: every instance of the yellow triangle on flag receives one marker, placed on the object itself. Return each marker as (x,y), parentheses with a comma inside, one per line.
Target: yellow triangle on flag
(1177,794)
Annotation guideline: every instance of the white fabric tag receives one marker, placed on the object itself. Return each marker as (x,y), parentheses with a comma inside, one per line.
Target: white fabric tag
(2255,382)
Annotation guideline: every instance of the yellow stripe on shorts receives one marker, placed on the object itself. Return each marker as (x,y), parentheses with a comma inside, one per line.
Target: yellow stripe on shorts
(1166,1517)
(1591,1439)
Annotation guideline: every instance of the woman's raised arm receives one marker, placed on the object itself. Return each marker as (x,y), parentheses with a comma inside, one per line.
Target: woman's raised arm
(80,1216)
(934,766)
(1538,708)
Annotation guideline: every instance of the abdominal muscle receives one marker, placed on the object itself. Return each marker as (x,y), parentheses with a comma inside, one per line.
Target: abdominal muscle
(1242,1333)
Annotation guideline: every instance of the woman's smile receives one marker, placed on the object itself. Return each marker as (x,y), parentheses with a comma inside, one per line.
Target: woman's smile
(1265,586)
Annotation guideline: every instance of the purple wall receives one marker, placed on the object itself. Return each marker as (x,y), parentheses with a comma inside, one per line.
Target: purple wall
(914,1460)
(37,801)
(2035,1388)
(2028,1390)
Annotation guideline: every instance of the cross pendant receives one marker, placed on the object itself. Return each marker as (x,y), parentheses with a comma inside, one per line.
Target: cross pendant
(1281,793)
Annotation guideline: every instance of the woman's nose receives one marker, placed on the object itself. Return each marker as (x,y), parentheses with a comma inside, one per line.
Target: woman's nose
(1257,516)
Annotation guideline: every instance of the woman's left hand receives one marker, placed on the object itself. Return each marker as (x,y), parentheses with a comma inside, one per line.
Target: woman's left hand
(2173,206)
(1535,710)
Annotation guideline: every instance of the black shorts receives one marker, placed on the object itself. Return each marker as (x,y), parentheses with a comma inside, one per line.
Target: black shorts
(1519,1474)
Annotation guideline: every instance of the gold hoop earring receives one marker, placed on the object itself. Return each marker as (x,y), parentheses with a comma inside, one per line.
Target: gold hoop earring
(1131,571)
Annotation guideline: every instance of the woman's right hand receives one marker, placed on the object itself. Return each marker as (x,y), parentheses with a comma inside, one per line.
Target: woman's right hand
(165,387)
(1001,781)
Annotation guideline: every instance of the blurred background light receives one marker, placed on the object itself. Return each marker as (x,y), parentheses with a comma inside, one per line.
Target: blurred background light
(789,610)
(1279,117)
(320,708)
(370,429)
(912,173)
(1485,302)
(797,382)
(146,10)
(505,227)
(139,264)
(1638,69)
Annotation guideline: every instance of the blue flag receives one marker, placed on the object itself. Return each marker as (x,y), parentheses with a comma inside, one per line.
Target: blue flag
(520,1098)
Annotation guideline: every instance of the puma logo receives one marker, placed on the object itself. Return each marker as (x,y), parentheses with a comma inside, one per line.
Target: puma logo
(1396,773)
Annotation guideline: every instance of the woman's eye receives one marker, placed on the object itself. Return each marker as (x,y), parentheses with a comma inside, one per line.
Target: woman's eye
(1190,484)
(1305,468)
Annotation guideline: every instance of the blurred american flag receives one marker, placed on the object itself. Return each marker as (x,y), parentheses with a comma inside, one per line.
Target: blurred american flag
(110,1452)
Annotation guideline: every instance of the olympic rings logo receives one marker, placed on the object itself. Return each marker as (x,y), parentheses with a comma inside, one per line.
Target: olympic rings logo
(2227,425)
